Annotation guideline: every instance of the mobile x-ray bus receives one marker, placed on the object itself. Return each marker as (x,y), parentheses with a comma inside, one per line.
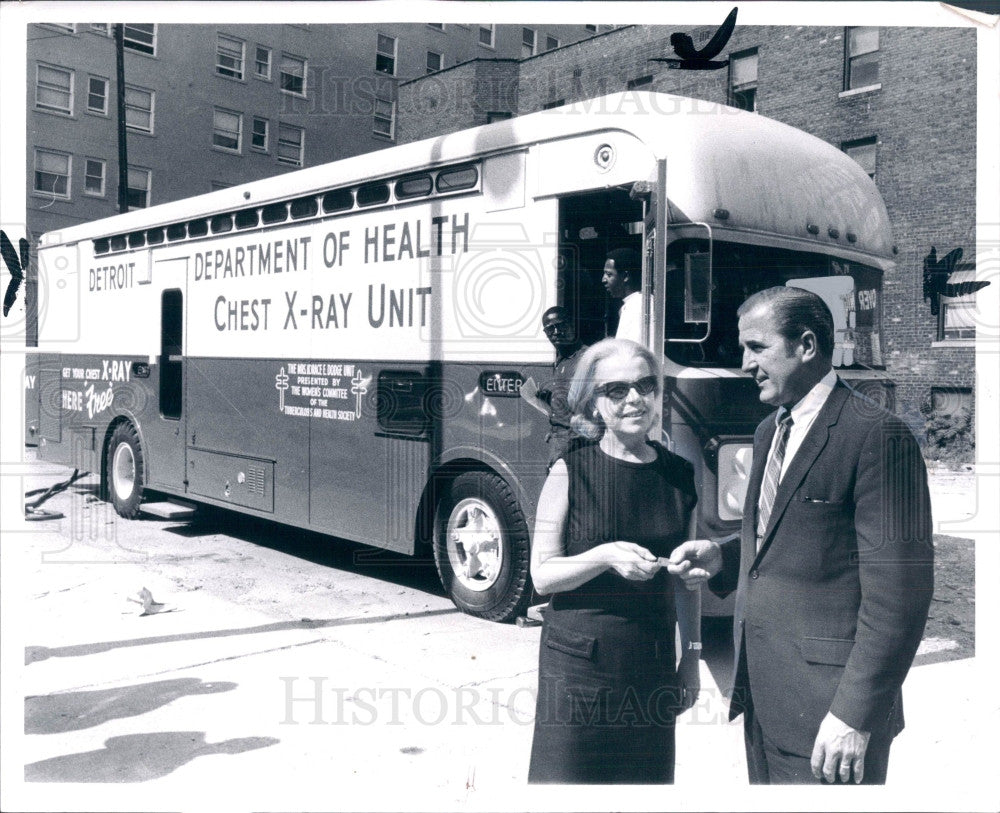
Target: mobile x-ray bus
(341,348)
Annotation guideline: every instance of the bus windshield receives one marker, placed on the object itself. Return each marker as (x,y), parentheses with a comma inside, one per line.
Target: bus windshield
(701,322)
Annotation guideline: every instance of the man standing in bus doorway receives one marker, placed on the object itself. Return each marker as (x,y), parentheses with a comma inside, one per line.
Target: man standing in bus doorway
(622,280)
(558,327)
(834,567)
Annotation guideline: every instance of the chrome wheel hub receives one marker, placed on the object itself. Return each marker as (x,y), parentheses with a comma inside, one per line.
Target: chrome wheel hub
(474,541)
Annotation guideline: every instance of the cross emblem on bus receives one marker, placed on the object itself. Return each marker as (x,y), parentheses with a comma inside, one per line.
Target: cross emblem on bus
(281,384)
(359,386)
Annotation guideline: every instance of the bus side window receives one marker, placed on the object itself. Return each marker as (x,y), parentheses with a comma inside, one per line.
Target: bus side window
(697,287)
(275,213)
(171,350)
(247,219)
(304,207)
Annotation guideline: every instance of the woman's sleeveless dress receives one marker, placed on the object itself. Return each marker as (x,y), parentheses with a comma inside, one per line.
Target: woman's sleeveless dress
(607,682)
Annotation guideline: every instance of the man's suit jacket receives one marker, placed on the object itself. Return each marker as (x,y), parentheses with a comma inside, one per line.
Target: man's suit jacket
(830,611)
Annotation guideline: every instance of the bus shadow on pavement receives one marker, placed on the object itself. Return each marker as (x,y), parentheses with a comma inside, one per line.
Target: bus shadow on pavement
(74,711)
(417,572)
(34,654)
(138,757)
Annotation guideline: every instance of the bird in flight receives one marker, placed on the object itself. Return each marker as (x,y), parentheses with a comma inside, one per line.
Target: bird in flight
(693,59)
(15,264)
(937,278)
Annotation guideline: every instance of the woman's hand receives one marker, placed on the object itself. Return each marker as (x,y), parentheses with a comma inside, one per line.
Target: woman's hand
(689,678)
(630,560)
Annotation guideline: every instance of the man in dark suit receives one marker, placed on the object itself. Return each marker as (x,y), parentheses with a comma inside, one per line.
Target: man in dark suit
(833,569)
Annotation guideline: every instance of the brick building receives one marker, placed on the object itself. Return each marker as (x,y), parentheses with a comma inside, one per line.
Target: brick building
(902,101)
(211,106)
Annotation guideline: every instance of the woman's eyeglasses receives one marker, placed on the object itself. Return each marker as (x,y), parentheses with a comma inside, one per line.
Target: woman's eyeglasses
(619,390)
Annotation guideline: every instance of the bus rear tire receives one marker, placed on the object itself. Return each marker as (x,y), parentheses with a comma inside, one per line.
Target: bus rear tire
(482,548)
(125,470)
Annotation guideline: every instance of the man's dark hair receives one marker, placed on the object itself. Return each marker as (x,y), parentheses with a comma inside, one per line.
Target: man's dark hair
(554,312)
(795,310)
(627,261)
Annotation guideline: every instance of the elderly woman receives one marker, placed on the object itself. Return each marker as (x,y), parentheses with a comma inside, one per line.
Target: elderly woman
(609,685)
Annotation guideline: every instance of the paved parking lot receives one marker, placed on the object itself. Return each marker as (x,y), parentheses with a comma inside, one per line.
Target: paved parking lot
(280,674)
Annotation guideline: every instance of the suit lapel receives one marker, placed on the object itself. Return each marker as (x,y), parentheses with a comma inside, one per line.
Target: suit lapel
(812,444)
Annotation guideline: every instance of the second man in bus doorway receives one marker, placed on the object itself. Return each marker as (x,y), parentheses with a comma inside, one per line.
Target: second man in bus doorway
(622,280)
(558,326)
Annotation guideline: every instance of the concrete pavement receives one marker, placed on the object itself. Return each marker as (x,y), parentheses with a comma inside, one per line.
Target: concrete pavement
(212,705)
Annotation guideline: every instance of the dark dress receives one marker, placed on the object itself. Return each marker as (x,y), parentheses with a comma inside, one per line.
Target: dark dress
(607,681)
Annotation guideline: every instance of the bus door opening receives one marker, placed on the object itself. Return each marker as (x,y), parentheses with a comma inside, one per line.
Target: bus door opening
(590,226)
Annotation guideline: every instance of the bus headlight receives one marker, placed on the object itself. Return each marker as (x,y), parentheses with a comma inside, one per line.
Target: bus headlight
(735,460)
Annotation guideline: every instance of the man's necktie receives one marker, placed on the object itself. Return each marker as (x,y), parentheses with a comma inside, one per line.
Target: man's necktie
(769,486)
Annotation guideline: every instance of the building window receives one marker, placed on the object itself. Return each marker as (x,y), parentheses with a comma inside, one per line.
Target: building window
(93,177)
(101,28)
(293,75)
(229,54)
(291,145)
(861,61)
(639,82)
(54,89)
(528,40)
(139,105)
(743,81)
(498,115)
(70,27)
(52,173)
(437,26)
(384,118)
(957,314)
(434,62)
(97,95)
(259,136)
(226,129)
(551,43)
(385,55)
(591,29)
(138,187)
(262,63)
(487,35)
(862,151)
(140,37)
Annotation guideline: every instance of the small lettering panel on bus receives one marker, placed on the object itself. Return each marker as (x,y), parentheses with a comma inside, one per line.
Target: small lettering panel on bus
(505,384)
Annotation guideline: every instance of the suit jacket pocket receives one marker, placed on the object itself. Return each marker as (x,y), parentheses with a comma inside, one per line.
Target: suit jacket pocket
(832,651)
(571,643)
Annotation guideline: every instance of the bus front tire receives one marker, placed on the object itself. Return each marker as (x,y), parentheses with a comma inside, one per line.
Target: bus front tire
(125,470)
(482,548)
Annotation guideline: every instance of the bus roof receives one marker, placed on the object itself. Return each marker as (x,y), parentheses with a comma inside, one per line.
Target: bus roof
(740,172)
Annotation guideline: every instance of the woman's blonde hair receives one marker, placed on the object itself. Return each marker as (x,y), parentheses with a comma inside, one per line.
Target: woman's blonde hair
(586,420)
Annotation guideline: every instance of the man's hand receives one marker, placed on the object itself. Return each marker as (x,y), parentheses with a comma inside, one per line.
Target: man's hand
(694,562)
(839,749)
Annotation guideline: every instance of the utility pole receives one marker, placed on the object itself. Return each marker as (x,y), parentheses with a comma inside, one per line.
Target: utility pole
(122,147)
